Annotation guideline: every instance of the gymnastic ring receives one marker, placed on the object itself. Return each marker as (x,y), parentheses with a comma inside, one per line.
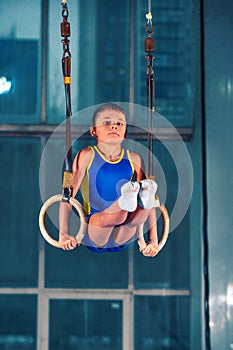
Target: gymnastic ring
(165,218)
(166,225)
(42,216)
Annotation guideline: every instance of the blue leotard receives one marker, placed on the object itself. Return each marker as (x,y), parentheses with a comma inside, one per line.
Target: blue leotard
(103,180)
(101,187)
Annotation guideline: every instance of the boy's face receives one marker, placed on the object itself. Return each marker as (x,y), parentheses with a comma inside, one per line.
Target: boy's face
(110,126)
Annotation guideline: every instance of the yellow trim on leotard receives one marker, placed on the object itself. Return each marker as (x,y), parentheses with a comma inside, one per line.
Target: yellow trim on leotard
(86,179)
(130,160)
(107,160)
(85,186)
(92,157)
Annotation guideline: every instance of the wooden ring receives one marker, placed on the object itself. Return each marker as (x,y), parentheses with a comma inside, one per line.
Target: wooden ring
(42,216)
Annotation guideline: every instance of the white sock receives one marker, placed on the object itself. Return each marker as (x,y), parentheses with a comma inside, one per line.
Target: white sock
(147,193)
(128,199)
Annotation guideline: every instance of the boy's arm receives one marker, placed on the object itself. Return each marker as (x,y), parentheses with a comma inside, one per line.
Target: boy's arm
(139,167)
(69,242)
(66,241)
(152,247)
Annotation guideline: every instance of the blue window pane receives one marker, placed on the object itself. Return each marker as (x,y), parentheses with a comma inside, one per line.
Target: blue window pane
(19,202)
(19,64)
(170,268)
(86,325)
(174,79)
(20,20)
(55,92)
(18,322)
(166,325)
(18,100)
(83,269)
(100,56)
(104,54)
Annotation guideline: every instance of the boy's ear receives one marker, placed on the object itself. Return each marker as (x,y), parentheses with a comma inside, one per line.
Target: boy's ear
(93,132)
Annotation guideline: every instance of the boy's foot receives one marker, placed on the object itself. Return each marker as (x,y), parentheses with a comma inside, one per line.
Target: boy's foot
(128,199)
(147,193)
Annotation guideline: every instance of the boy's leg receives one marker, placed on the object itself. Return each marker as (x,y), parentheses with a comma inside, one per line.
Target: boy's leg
(122,234)
(125,232)
(101,224)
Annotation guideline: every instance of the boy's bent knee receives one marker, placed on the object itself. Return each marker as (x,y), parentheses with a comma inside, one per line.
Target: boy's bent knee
(108,219)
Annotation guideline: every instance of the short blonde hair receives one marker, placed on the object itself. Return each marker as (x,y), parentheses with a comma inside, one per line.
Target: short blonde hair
(103,107)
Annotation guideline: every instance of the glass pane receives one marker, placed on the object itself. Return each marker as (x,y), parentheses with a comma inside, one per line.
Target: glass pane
(99,47)
(84,269)
(166,325)
(19,64)
(19,204)
(174,80)
(170,268)
(86,324)
(18,322)
(104,52)
(161,271)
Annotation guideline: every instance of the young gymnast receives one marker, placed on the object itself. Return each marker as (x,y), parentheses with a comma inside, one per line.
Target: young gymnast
(117,197)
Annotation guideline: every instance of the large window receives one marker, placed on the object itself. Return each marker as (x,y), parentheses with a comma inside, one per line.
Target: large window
(52,299)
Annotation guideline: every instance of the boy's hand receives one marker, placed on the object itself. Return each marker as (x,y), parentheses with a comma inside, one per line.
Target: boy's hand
(151,249)
(67,242)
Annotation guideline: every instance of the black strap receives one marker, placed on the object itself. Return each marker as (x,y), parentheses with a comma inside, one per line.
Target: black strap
(149,49)
(66,69)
